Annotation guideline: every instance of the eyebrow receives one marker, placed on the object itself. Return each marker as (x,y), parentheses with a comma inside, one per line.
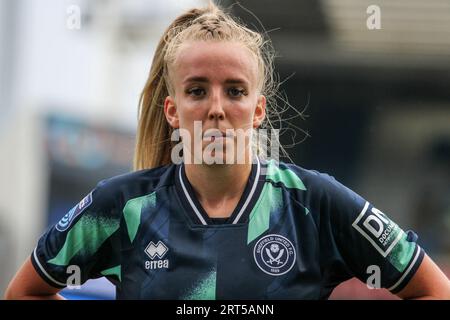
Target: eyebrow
(204,79)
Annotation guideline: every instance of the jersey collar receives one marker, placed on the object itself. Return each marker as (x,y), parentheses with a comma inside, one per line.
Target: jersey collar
(242,211)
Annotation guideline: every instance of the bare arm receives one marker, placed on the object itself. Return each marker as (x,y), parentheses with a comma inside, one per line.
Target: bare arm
(28,284)
(429,282)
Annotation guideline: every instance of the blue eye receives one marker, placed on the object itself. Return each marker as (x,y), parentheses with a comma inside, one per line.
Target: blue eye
(237,92)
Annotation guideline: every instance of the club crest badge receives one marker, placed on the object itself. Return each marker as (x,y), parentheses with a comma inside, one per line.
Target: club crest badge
(274,254)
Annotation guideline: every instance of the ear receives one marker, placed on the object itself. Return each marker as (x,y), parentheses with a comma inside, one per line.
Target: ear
(260,112)
(171,112)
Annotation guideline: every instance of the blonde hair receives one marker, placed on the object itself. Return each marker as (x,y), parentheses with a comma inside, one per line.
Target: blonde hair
(153,144)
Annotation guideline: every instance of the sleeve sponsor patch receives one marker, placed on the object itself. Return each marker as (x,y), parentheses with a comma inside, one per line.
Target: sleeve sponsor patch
(376,227)
(67,220)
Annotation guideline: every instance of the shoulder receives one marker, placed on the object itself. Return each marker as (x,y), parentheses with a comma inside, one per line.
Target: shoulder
(155,177)
(313,185)
(135,184)
(295,175)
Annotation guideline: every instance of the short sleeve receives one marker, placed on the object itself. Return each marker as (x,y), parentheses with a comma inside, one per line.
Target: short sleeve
(369,242)
(85,240)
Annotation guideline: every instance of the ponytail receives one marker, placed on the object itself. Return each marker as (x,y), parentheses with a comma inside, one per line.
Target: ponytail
(153,144)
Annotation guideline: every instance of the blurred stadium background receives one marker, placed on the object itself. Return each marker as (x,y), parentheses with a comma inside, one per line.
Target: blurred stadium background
(378,106)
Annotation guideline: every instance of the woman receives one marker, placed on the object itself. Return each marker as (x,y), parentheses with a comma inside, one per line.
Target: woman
(224,228)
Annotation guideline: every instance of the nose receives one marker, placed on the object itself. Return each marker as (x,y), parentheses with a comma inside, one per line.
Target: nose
(216,111)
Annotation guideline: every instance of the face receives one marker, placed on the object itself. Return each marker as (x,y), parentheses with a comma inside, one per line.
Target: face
(215,85)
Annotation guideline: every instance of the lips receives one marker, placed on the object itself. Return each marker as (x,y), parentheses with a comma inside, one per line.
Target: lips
(213,134)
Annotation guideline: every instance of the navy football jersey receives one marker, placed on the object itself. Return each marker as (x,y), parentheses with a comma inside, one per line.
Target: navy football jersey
(295,234)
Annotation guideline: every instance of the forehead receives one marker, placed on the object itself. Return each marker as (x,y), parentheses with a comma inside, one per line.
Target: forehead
(215,61)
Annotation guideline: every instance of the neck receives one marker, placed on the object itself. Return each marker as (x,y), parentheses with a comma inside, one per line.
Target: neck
(216,186)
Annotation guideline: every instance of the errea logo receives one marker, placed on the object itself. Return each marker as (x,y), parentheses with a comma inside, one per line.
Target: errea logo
(153,251)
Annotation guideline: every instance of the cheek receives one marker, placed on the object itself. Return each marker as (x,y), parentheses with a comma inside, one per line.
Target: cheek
(192,114)
(241,111)
(189,112)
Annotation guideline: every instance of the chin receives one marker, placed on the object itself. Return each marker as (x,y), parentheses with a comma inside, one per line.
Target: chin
(215,158)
